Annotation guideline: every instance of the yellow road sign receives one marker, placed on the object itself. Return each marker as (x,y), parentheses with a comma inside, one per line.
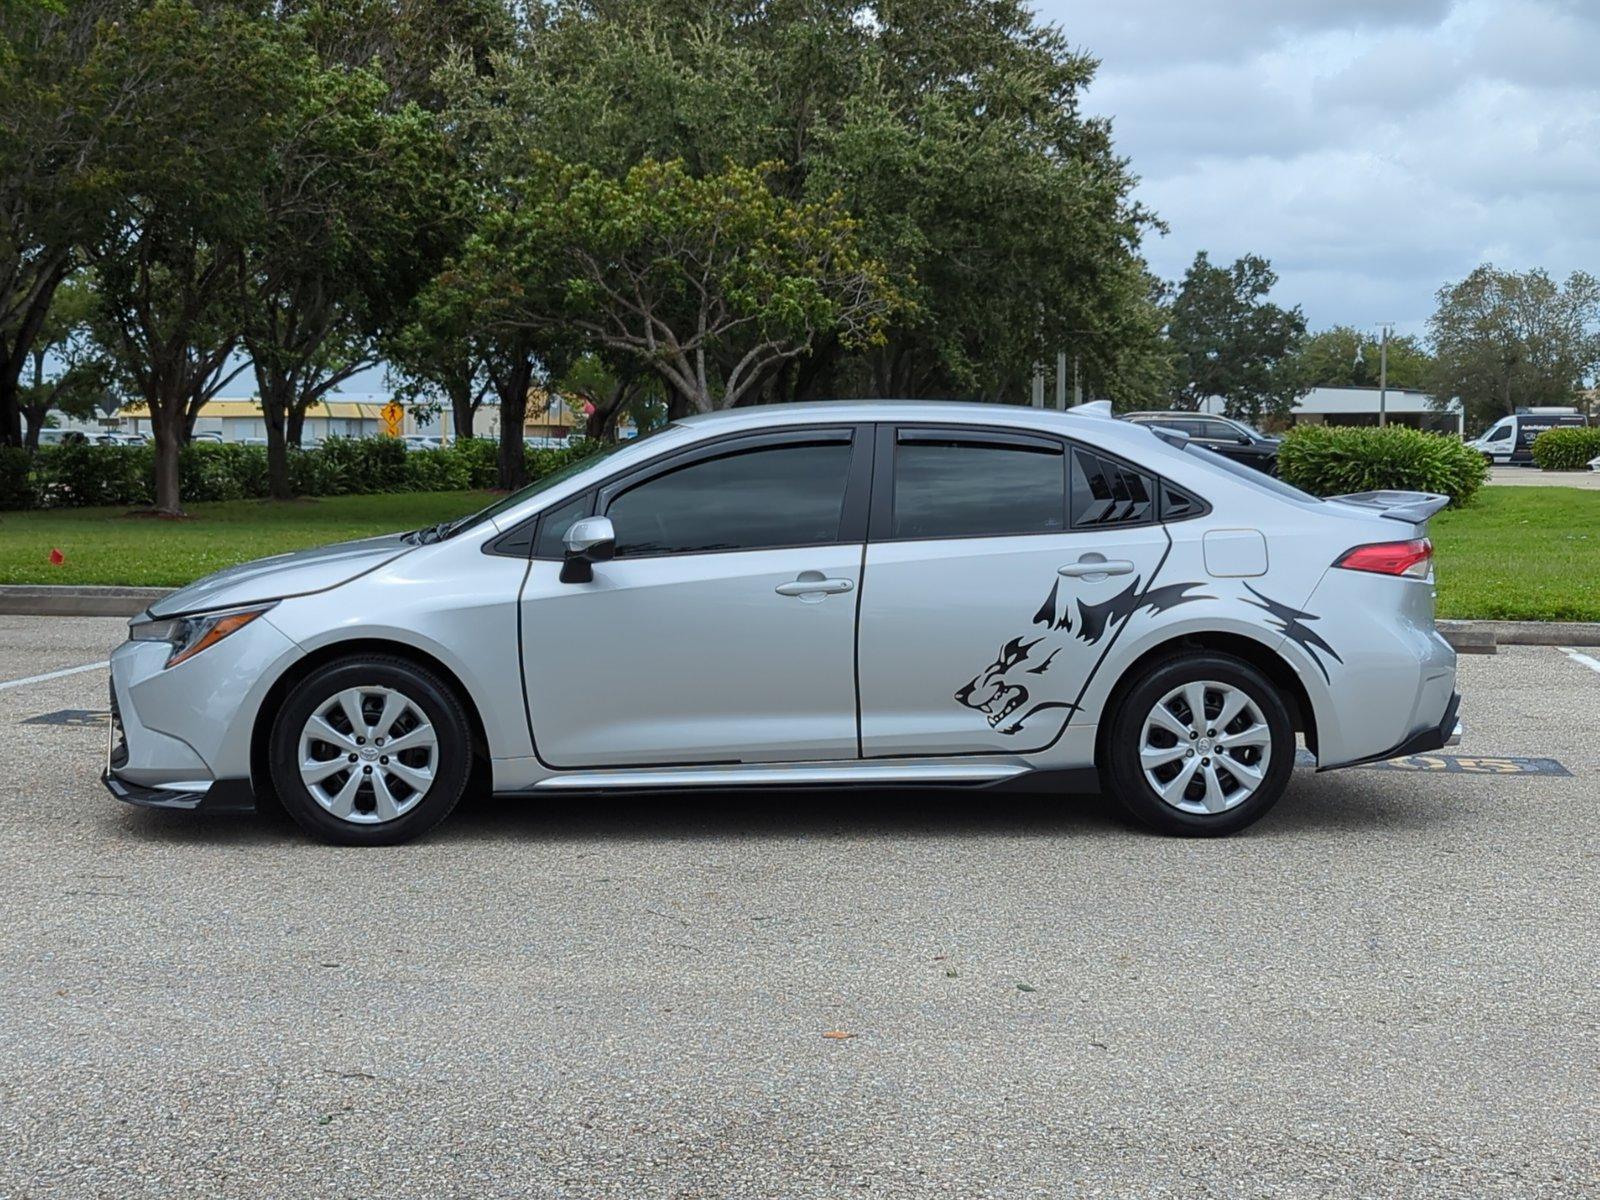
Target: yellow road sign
(394,419)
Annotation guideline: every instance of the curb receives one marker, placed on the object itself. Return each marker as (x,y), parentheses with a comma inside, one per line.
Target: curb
(48,600)
(1482,637)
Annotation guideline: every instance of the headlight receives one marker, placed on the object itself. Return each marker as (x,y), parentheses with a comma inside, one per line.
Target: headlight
(190,635)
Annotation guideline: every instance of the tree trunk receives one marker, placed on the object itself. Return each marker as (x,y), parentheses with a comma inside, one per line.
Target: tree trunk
(10,414)
(462,411)
(512,389)
(168,429)
(295,425)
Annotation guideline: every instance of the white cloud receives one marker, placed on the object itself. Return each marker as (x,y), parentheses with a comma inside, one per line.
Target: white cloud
(1372,149)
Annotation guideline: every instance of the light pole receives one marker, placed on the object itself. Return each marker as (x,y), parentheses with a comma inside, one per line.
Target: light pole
(1383,372)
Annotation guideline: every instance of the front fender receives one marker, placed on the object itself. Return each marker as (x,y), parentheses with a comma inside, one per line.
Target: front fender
(467,625)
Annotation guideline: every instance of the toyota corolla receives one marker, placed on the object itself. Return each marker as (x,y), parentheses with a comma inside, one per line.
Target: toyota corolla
(843,594)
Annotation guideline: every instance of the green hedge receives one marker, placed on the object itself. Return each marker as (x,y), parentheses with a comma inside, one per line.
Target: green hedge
(1330,460)
(1566,449)
(76,476)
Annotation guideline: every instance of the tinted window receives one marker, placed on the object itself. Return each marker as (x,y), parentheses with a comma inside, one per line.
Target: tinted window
(1218,430)
(554,524)
(1105,493)
(954,486)
(790,495)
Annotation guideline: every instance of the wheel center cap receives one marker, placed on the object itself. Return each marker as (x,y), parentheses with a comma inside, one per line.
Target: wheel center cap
(1205,745)
(369,753)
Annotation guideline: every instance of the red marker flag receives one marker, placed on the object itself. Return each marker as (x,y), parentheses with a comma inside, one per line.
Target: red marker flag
(56,557)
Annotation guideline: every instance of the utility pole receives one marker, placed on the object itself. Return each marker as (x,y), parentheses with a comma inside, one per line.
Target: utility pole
(1383,378)
(1061,379)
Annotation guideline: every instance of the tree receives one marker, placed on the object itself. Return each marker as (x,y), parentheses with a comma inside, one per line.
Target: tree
(52,182)
(1509,339)
(950,129)
(189,152)
(671,270)
(1230,341)
(351,211)
(69,372)
(1347,357)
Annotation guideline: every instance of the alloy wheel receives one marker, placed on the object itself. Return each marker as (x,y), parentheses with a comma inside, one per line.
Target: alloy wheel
(1205,747)
(368,754)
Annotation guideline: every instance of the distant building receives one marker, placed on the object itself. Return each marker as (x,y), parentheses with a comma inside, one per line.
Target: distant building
(1359,406)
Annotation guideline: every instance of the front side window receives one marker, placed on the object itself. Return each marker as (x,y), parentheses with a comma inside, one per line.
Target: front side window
(960,485)
(554,524)
(788,495)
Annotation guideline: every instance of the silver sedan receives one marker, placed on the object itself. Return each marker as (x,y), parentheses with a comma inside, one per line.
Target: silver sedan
(815,595)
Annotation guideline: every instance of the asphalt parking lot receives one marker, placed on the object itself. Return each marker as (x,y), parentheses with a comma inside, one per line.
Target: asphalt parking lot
(1390,987)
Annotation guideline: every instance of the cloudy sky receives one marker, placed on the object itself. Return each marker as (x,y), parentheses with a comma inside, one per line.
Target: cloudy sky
(1372,149)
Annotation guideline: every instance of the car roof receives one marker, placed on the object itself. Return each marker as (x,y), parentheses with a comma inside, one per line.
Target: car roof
(773,416)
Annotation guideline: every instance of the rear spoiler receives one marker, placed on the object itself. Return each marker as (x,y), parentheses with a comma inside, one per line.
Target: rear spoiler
(1414,508)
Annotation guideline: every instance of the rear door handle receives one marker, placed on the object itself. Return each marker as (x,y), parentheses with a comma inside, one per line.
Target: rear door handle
(1115,566)
(813,583)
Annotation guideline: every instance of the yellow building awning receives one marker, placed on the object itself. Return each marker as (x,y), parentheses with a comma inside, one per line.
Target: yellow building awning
(341,409)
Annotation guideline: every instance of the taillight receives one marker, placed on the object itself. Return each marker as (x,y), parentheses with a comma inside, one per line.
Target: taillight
(1411,559)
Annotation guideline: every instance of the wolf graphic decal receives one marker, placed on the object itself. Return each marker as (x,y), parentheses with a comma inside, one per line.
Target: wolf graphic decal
(1009,700)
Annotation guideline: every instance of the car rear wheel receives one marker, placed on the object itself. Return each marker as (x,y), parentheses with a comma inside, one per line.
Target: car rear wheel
(370,751)
(1201,745)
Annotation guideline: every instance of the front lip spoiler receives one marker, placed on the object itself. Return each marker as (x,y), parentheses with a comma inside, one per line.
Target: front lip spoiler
(217,796)
(1447,733)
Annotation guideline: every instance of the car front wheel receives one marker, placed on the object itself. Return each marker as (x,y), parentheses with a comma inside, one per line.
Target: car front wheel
(370,751)
(1201,745)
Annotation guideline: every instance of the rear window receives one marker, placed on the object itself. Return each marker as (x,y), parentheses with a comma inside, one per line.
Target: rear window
(1257,479)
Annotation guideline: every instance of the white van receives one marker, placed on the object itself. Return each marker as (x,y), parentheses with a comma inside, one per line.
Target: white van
(1510,439)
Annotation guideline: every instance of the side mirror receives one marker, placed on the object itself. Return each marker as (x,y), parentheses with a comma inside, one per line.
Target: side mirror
(588,541)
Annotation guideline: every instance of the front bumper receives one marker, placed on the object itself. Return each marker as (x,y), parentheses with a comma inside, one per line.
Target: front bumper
(200,795)
(181,737)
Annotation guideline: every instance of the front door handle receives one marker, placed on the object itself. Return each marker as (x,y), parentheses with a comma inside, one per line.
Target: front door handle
(1102,568)
(814,583)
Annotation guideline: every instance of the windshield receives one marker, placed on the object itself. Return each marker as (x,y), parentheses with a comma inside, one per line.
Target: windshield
(544,482)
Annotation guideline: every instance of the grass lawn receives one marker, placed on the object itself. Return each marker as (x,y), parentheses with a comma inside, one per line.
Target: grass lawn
(107,545)
(1520,553)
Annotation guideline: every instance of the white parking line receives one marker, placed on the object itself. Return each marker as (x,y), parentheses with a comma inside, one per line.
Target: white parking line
(1579,657)
(94,666)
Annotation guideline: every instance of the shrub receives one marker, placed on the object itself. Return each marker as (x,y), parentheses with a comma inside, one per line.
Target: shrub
(16,487)
(1566,448)
(72,476)
(1330,460)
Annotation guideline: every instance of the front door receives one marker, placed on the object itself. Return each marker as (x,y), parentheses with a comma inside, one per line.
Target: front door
(997,577)
(724,629)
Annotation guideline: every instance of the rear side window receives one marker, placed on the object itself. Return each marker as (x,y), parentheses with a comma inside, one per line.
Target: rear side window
(950,485)
(789,495)
(1107,493)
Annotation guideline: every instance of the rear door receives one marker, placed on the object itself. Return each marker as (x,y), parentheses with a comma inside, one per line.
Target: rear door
(1000,566)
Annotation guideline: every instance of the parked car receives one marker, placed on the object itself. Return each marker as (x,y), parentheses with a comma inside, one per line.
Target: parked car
(1227,437)
(62,437)
(422,441)
(210,436)
(1509,441)
(831,594)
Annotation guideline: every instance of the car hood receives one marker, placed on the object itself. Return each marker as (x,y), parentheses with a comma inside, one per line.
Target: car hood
(282,575)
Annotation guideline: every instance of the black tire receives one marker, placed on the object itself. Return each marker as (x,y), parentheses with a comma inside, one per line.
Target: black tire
(436,702)
(1126,777)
